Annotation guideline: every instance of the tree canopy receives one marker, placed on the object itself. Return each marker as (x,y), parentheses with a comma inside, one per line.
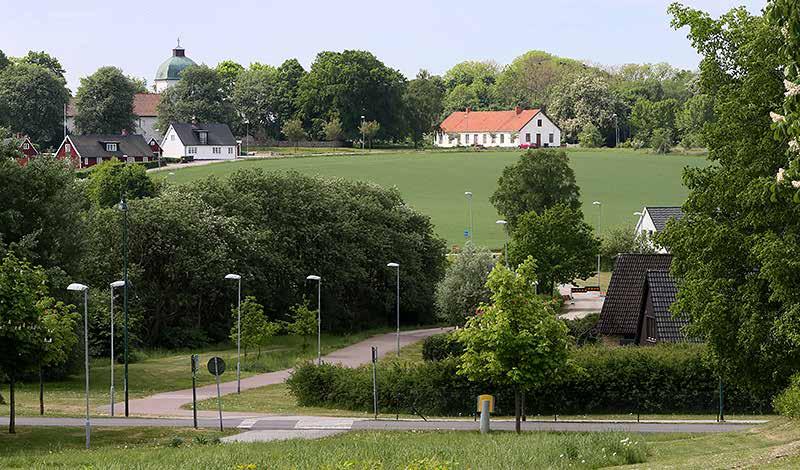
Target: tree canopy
(104,103)
(199,95)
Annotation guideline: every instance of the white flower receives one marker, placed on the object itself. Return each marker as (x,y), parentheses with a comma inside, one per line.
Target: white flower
(794,146)
(792,88)
(779,176)
(776,117)
(796,184)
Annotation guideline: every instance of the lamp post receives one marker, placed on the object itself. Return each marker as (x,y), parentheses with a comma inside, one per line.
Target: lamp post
(616,129)
(468,195)
(246,136)
(113,286)
(397,266)
(236,277)
(362,133)
(313,277)
(599,222)
(82,288)
(123,206)
(504,224)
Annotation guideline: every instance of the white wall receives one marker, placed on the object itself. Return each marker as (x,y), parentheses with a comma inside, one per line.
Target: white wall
(646,227)
(485,138)
(547,128)
(162,85)
(173,147)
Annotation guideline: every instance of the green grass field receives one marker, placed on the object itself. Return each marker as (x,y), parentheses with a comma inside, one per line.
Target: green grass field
(434,182)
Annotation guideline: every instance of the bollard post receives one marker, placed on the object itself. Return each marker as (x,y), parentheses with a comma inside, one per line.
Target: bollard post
(375,380)
(485,417)
(195,362)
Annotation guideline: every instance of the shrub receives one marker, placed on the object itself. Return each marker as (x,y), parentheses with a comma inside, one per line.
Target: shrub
(787,402)
(442,346)
(464,285)
(590,137)
(583,329)
(661,141)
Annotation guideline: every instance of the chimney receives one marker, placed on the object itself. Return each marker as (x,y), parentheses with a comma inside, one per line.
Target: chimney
(517,110)
(468,110)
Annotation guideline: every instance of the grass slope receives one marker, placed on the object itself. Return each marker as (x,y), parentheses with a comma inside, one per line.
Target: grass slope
(434,182)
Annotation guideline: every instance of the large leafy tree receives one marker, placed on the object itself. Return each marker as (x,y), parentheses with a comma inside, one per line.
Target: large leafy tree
(735,251)
(351,84)
(471,84)
(463,288)
(290,74)
(516,341)
(199,95)
(539,180)
(32,100)
(647,116)
(587,99)
(112,180)
(560,241)
(255,97)
(43,59)
(527,81)
(104,102)
(422,103)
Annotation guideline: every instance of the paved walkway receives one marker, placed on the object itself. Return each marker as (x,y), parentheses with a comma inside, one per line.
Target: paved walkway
(582,303)
(171,403)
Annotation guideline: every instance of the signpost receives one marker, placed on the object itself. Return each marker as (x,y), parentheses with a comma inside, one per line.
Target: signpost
(375,380)
(217,366)
(195,366)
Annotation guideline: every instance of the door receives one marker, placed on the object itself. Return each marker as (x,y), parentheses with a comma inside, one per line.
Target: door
(538,140)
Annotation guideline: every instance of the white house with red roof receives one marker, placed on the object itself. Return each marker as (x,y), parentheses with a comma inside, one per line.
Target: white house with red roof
(514,128)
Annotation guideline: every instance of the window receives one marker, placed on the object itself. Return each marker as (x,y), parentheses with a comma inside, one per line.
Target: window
(230,150)
(172,137)
(203,136)
(99,160)
(111,147)
(502,138)
(67,148)
(527,137)
(25,146)
(484,138)
(191,150)
(551,138)
(131,159)
(539,123)
(650,329)
(441,138)
(466,138)
(475,140)
(494,138)
(216,150)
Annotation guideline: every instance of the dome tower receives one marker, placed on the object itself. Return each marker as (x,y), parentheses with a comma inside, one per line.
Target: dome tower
(169,71)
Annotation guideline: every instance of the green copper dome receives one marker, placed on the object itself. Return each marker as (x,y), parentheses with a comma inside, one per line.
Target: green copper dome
(172,67)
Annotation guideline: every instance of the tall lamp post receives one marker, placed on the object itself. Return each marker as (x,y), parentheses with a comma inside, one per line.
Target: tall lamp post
(236,277)
(599,222)
(123,206)
(504,224)
(362,132)
(246,136)
(468,195)
(113,286)
(313,277)
(397,266)
(82,288)
(616,129)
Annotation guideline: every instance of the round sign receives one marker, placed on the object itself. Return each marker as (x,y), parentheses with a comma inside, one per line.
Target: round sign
(216,366)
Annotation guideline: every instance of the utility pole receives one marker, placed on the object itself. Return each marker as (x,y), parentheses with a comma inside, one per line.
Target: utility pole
(123,205)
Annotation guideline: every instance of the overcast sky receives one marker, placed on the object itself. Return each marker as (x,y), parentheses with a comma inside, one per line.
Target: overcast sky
(407,35)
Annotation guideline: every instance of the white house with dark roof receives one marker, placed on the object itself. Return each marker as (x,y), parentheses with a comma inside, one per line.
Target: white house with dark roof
(210,141)
(653,219)
(513,128)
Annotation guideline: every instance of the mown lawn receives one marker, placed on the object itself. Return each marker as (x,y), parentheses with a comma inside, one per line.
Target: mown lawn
(434,182)
(164,371)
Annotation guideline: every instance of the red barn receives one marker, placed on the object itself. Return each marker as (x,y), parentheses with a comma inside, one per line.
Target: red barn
(89,150)
(155,147)
(26,147)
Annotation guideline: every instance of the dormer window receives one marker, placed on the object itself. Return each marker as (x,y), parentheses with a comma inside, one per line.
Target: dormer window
(26,146)
(111,147)
(203,136)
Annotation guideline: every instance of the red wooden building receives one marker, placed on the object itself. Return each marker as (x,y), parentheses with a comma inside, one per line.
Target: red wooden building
(26,147)
(89,150)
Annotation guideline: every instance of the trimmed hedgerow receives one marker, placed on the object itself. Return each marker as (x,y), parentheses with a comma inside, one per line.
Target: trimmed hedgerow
(441,346)
(660,379)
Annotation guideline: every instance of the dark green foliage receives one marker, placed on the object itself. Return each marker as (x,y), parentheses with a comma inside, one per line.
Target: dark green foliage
(787,402)
(199,95)
(541,179)
(662,379)
(590,137)
(583,329)
(104,103)
(111,179)
(661,140)
(440,347)
(422,104)
(621,239)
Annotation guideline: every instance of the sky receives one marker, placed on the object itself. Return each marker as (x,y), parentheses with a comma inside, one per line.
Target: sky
(407,35)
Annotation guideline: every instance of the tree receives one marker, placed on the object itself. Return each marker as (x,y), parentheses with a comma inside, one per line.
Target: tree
(304,322)
(528,80)
(560,241)
(539,180)
(516,341)
(471,84)
(463,288)
(369,129)
(622,240)
(112,179)
(32,100)
(229,73)
(44,60)
(587,99)
(256,329)
(690,121)
(199,96)
(254,96)
(333,130)
(661,140)
(590,137)
(59,322)
(294,132)
(647,116)
(104,103)
(287,88)
(4,62)
(735,250)
(26,313)
(422,102)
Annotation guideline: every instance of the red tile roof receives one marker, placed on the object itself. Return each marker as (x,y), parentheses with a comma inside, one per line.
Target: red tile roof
(487,121)
(144,105)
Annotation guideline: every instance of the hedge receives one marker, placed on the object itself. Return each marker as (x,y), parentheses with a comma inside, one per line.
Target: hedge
(659,379)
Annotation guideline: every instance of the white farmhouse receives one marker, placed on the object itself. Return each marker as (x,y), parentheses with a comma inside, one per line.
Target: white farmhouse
(653,219)
(515,128)
(199,141)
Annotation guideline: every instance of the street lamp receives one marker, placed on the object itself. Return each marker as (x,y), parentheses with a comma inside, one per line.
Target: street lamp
(123,206)
(113,286)
(616,129)
(397,265)
(313,277)
(468,195)
(236,277)
(82,288)
(362,133)
(504,224)
(246,135)
(599,221)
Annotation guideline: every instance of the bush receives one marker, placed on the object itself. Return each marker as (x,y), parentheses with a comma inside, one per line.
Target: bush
(583,329)
(442,346)
(590,137)
(661,141)
(463,288)
(658,379)
(787,402)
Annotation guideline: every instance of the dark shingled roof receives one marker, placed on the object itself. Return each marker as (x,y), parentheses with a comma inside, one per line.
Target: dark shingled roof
(93,145)
(218,134)
(663,293)
(623,303)
(660,215)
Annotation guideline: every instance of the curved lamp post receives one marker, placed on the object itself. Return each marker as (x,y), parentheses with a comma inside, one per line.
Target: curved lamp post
(599,222)
(468,195)
(75,287)
(113,286)
(397,266)
(313,277)
(236,277)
